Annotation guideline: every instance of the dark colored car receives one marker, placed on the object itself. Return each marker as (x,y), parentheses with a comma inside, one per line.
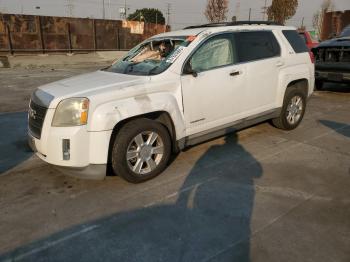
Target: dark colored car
(333,60)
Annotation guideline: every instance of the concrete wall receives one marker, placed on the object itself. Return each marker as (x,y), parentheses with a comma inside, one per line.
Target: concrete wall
(27,33)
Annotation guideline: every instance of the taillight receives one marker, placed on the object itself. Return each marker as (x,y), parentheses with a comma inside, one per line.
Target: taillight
(312,57)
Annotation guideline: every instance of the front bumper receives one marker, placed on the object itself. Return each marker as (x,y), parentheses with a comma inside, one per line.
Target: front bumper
(88,151)
(339,77)
(92,172)
(332,71)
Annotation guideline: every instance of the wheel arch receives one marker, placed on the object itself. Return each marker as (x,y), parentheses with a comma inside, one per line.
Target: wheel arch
(161,117)
(301,84)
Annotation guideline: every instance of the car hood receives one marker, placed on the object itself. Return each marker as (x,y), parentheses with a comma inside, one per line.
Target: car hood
(86,85)
(336,42)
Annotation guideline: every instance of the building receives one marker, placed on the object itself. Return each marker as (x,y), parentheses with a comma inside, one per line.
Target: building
(333,23)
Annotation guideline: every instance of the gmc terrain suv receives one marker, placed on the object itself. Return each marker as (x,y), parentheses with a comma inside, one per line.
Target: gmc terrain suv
(172,91)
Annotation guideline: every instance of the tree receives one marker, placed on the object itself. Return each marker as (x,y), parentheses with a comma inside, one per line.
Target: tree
(149,15)
(216,10)
(282,10)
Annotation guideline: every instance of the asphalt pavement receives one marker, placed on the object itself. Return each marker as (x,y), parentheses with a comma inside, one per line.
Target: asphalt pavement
(261,194)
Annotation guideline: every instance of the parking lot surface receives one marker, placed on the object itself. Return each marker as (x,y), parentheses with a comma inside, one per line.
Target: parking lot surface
(261,194)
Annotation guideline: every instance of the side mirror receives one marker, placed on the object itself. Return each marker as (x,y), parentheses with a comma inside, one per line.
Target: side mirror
(189,71)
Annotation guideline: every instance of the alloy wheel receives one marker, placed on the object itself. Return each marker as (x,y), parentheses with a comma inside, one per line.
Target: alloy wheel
(295,109)
(145,152)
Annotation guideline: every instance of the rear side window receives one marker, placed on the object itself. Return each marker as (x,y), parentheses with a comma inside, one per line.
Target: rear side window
(295,41)
(256,45)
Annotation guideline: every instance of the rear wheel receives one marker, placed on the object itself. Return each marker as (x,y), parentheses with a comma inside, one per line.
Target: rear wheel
(141,150)
(293,110)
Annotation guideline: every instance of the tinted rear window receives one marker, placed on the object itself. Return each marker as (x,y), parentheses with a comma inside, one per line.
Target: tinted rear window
(303,36)
(295,41)
(256,45)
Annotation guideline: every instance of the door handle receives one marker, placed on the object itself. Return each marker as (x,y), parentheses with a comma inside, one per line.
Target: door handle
(235,73)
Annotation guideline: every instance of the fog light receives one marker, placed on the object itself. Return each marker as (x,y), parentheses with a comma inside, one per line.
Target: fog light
(66,149)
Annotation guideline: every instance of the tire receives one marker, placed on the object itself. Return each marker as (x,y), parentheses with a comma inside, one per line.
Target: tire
(135,156)
(319,85)
(284,120)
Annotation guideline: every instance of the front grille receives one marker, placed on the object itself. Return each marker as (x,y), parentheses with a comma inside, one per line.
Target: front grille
(36,117)
(333,54)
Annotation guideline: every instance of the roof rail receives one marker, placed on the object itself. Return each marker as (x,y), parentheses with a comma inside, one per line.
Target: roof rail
(234,24)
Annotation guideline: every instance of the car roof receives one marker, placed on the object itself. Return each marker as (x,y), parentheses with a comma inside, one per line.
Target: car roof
(184,32)
(215,29)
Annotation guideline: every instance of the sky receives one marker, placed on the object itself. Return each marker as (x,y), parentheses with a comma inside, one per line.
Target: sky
(182,12)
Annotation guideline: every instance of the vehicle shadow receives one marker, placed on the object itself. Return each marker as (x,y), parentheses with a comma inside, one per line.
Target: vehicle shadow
(340,128)
(207,219)
(14,147)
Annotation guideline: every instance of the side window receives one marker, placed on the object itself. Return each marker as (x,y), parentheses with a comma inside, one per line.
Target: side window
(295,41)
(256,45)
(215,52)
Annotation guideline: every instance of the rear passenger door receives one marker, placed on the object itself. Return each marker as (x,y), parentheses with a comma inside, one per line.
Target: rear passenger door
(259,52)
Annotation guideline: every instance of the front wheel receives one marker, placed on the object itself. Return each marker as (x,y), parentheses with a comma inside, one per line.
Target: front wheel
(141,150)
(293,110)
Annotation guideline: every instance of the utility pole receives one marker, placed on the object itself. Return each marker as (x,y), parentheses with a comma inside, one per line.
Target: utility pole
(110,9)
(250,12)
(238,6)
(168,13)
(70,8)
(156,19)
(103,9)
(125,10)
(302,23)
(264,10)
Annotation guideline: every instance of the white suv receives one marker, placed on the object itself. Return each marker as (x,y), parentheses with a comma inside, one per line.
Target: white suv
(172,91)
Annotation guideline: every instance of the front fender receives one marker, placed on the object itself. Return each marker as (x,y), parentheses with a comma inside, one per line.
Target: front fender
(106,116)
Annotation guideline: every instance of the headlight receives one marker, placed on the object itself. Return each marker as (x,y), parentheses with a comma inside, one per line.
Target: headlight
(71,112)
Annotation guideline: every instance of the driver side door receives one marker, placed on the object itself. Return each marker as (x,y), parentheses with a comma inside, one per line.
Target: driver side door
(211,95)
